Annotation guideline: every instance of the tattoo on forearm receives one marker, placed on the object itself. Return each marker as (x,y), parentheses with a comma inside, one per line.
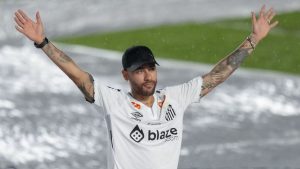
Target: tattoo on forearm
(226,67)
(55,54)
(65,63)
(237,57)
(64,58)
(68,66)
(87,86)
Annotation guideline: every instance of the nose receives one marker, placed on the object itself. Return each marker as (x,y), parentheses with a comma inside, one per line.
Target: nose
(148,75)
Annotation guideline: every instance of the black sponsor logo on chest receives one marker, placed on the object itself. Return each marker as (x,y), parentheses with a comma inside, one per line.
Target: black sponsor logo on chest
(137,134)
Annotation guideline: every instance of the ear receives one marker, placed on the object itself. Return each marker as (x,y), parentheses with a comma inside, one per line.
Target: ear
(125,74)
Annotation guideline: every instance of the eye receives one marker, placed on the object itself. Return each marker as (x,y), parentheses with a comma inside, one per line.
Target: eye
(152,68)
(138,71)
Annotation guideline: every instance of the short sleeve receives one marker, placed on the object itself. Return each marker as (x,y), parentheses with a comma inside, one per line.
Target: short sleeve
(98,95)
(186,93)
(106,96)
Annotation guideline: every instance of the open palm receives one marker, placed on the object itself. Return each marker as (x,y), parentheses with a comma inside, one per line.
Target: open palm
(262,26)
(34,30)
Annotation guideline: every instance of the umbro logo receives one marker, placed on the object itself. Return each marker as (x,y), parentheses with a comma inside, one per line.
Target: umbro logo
(170,114)
(136,116)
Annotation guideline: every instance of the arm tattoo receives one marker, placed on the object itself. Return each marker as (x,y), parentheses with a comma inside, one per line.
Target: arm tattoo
(238,56)
(226,67)
(56,55)
(68,66)
(86,87)
(63,57)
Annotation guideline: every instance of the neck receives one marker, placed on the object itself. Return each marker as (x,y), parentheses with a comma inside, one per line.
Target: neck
(147,100)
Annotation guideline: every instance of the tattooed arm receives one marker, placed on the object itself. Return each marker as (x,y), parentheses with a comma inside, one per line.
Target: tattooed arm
(35,32)
(225,67)
(83,80)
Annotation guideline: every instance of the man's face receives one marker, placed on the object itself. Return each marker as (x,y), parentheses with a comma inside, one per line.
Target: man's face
(143,80)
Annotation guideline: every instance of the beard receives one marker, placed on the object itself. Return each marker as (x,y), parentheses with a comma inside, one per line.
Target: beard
(145,89)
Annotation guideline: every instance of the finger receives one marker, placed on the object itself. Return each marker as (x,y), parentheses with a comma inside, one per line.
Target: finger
(20,17)
(19,29)
(24,15)
(262,11)
(253,17)
(274,24)
(269,12)
(271,16)
(38,18)
(20,24)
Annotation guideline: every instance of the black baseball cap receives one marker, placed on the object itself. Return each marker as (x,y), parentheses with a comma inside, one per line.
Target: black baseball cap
(136,56)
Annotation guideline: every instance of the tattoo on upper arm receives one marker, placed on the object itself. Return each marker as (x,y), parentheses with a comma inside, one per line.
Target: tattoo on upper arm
(87,88)
(208,84)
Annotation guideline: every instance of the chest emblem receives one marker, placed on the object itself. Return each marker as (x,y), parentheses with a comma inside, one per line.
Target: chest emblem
(170,114)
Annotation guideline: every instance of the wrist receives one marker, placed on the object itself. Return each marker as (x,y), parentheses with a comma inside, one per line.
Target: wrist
(39,40)
(255,38)
(252,40)
(42,43)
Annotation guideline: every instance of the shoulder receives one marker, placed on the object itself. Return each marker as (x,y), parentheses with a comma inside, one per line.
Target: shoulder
(107,92)
(107,89)
(185,93)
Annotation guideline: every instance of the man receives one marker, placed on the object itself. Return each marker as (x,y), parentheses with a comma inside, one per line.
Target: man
(145,125)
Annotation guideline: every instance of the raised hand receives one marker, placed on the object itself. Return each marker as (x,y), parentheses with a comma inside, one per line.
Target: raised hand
(34,30)
(262,26)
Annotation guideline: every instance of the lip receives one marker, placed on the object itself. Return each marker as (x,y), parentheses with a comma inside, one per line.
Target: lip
(148,85)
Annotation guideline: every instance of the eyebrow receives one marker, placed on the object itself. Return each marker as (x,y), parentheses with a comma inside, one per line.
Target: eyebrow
(145,66)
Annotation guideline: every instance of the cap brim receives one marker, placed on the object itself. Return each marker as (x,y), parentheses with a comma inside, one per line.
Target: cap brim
(137,65)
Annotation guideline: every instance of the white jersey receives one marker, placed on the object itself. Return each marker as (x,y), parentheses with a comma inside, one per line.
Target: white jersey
(141,137)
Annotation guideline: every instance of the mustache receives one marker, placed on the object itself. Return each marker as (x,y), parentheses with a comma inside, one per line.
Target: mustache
(149,82)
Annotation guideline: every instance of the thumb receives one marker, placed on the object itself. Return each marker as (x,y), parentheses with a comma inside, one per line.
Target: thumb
(253,17)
